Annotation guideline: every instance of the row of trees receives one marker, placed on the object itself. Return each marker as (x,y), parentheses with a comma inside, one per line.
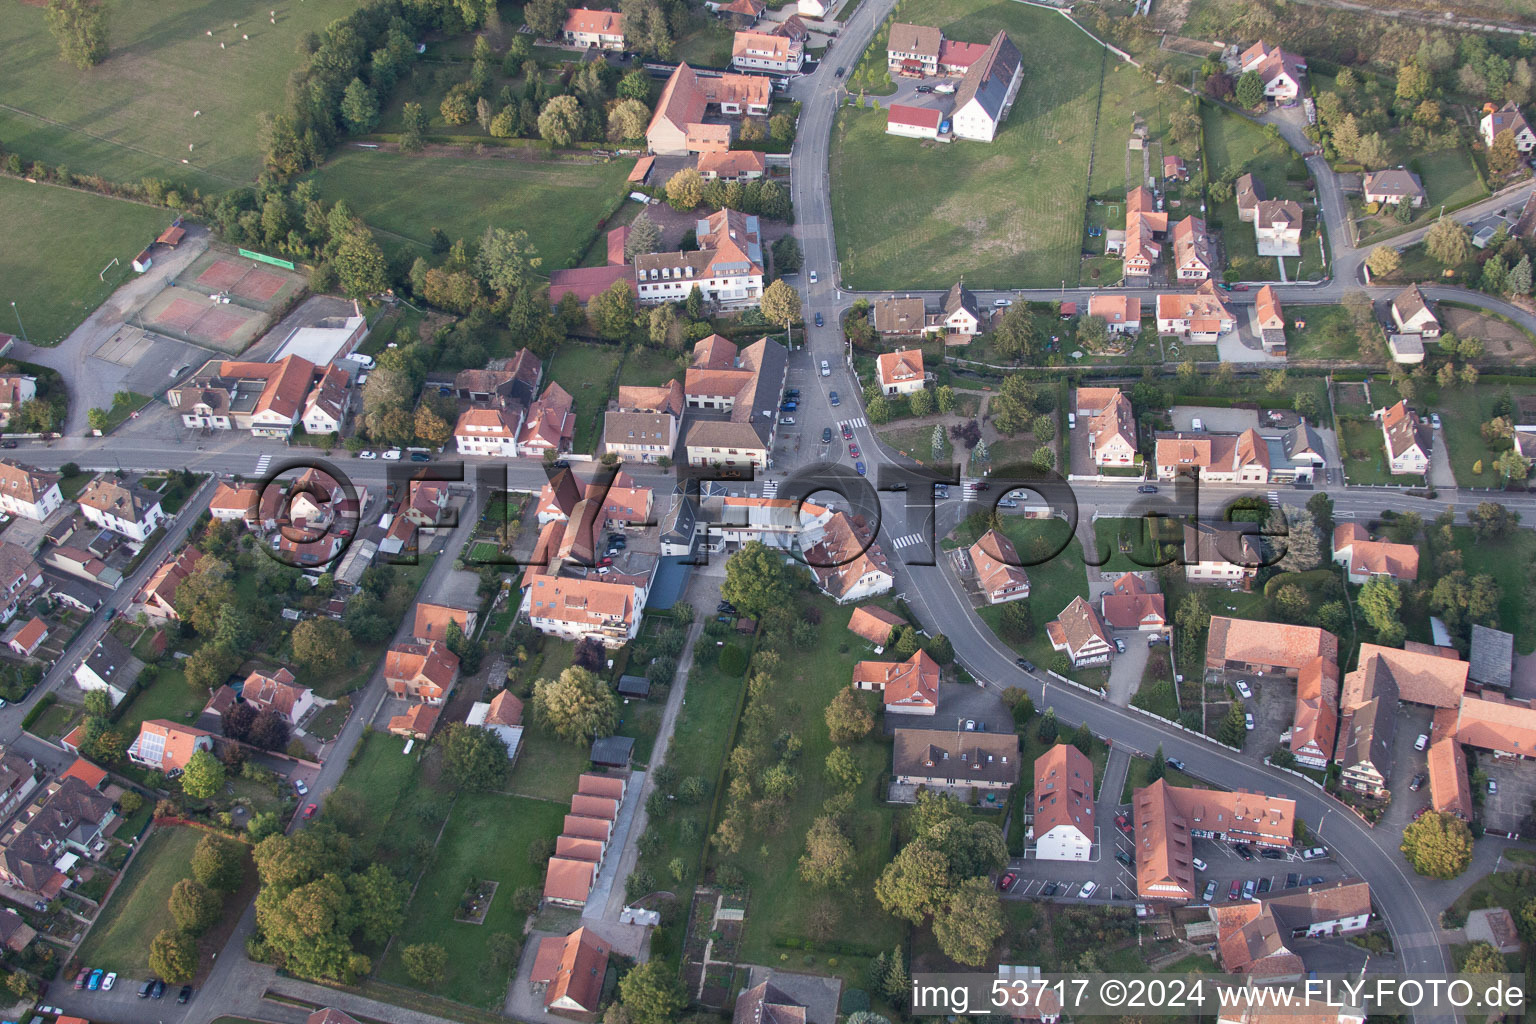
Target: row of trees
(195,905)
(687,190)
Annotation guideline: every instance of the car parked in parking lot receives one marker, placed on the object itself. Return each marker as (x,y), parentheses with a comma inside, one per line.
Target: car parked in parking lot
(1236,890)
(1209,893)
(1493,786)
(1199,864)
(1088,889)
(1293,879)
(94,982)
(1312,880)
(1249,887)
(1314,853)
(1244,689)
(1124,858)
(300,787)
(1272,854)
(1049,889)
(1418,780)
(108,982)
(1006,882)
(185,994)
(1248,721)
(1265,883)
(1242,851)
(1421,742)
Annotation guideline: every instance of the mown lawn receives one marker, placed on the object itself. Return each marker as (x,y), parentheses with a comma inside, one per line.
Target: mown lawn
(1110,531)
(1005,214)
(132,116)
(119,941)
(1463,411)
(380,777)
(547,768)
(1329,334)
(587,372)
(168,697)
(54,279)
(1509,561)
(557,202)
(651,367)
(487,838)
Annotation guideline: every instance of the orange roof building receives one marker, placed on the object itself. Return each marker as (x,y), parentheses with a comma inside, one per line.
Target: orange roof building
(602,29)
(1305,653)
(1363,557)
(901,373)
(1202,315)
(582,609)
(1254,937)
(910,687)
(86,772)
(569,971)
(432,621)
(1491,723)
(1129,604)
(1064,824)
(417,723)
(1168,817)
(874,624)
(1121,313)
(167,746)
(276,692)
(568,882)
(424,672)
(848,562)
(1449,790)
(998,572)
(1078,633)
(677,128)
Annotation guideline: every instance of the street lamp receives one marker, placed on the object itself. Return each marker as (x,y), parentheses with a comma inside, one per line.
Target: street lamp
(18,321)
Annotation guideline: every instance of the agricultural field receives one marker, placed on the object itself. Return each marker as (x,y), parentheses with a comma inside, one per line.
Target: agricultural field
(166,93)
(56,279)
(1004,214)
(557,202)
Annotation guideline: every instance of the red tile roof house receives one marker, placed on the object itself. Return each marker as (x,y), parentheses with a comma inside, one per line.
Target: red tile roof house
(1363,557)
(1304,653)
(910,687)
(167,746)
(159,594)
(277,693)
(602,29)
(1111,425)
(733,165)
(567,882)
(1078,633)
(503,715)
(29,638)
(28,492)
(584,827)
(677,128)
(1194,258)
(901,373)
(1121,313)
(1202,316)
(1419,674)
(1284,74)
(550,424)
(1449,791)
(417,723)
(913,122)
(569,971)
(432,621)
(1129,604)
(998,571)
(1168,817)
(1064,824)
(1252,936)
(874,624)
(424,672)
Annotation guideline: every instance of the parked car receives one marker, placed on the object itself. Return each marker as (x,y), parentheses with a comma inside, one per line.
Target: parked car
(1243,851)
(108,982)
(1421,742)
(146,987)
(80,979)
(300,787)
(1199,864)
(970,725)
(789,405)
(420,457)
(826,435)
(1006,882)
(813,277)
(1000,303)
(1123,823)
(1119,645)
(1493,786)
(366,455)
(786,421)
(95,980)
(1265,883)
(1418,780)
(10,444)
(185,994)
(1088,889)
(1434,420)
(1248,721)
(1025,664)
(1147,489)
(791,392)
(158,990)
(393,455)
(1292,880)
(832,398)
(819,321)
(925,88)
(826,368)
(1249,888)
(1244,689)
(1174,763)
(1236,890)
(1312,880)
(1272,855)
(1124,858)
(1209,893)
(309,812)
(1049,889)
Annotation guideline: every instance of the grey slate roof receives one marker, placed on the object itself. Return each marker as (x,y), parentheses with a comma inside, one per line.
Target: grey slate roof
(1492,656)
(988,79)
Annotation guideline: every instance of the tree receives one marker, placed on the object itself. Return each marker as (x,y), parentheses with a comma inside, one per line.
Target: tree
(969,922)
(1503,157)
(1082,739)
(320,645)
(781,303)
(173,956)
(644,236)
(1303,541)
(1438,844)
(80,29)
(561,121)
(1233,730)
(651,993)
(1048,729)
(1512,465)
(782,128)
(685,190)
(546,17)
(1491,520)
(203,776)
(612,311)
(921,402)
(1373,151)
(413,139)
(576,707)
(193,907)
(1093,333)
(359,108)
(828,858)
(848,720)
(218,863)
(1249,90)
(360,266)
(843,769)
(1017,336)
(915,883)
(474,758)
(1483,958)
(944,396)
(756,580)
(938,445)
(1383,261)
(426,963)
(635,86)
(627,120)
(201,597)
(1413,82)
(506,261)
(1518,280)
(1449,243)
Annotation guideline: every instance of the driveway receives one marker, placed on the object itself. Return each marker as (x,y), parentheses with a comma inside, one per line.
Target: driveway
(1126,669)
(1214,420)
(1440,472)
(1508,810)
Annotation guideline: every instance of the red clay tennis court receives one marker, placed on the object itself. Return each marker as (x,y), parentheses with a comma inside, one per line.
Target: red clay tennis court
(241,279)
(182,313)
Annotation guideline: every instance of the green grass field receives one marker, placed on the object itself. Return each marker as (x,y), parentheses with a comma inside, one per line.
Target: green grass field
(486,839)
(168,697)
(1329,334)
(586,371)
(70,238)
(1508,561)
(651,367)
(1463,411)
(1449,179)
(556,202)
(379,777)
(119,941)
(547,768)
(132,115)
(1004,214)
